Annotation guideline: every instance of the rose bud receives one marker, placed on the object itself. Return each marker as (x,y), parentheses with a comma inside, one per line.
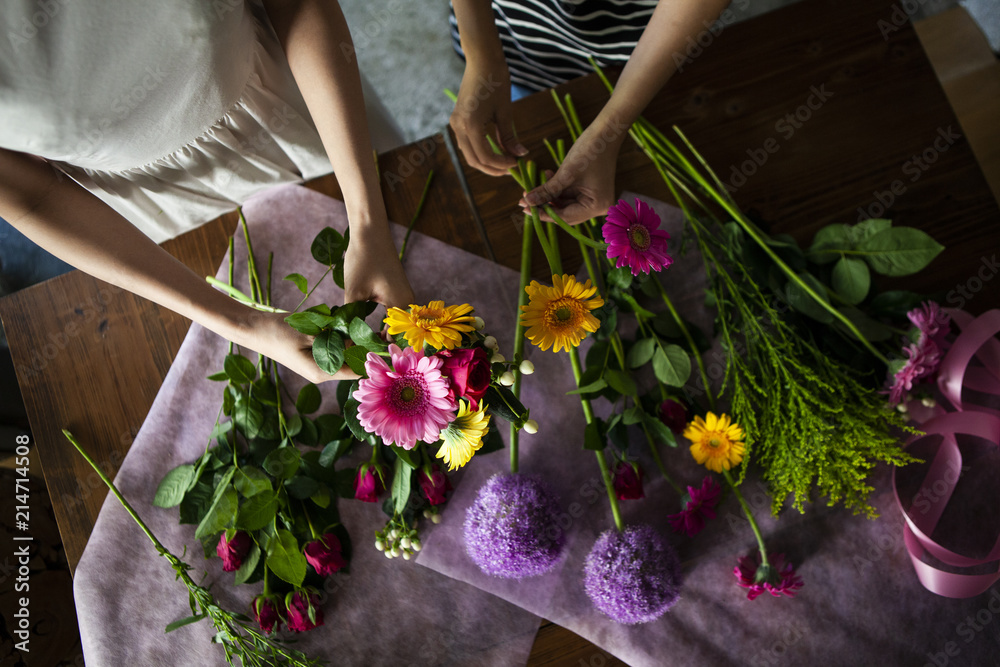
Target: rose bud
(324,554)
(469,373)
(265,612)
(368,483)
(628,481)
(232,552)
(434,484)
(304,612)
(674,415)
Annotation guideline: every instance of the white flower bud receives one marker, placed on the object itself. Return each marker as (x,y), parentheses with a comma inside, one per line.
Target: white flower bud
(490,343)
(527,367)
(405,543)
(497,358)
(902,407)
(393,534)
(928,402)
(531,426)
(415,545)
(507,379)
(436,518)
(406,555)
(478,323)
(427,514)
(394,552)
(388,554)
(379,545)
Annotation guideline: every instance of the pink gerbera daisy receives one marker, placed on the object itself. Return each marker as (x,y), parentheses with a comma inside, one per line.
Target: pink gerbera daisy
(778,579)
(410,401)
(635,239)
(932,322)
(922,362)
(700,506)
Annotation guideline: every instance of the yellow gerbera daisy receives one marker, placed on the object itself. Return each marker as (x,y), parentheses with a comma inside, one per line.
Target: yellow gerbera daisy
(438,325)
(559,316)
(463,437)
(716,442)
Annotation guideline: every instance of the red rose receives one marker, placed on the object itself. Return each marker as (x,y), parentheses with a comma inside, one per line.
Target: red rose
(674,415)
(628,481)
(232,552)
(368,484)
(324,554)
(265,612)
(469,372)
(304,612)
(435,485)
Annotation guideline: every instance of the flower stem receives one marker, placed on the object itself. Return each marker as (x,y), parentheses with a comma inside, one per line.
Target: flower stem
(690,341)
(416,213)
(750,518)
(522,300)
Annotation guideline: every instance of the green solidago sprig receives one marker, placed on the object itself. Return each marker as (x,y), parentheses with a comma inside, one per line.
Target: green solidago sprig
(236,633)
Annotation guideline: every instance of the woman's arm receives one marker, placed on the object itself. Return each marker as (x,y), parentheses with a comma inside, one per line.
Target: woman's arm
(71,223)
(584,187)
(320,53)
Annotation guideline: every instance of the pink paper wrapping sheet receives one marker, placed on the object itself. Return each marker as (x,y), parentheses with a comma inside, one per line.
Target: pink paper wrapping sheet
(861,604)
(382,613)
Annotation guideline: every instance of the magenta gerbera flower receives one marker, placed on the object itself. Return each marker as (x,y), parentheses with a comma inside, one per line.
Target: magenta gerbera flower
(410,401)
(635,239)
(922,362)
(932,322)
(778,578)
(700,506)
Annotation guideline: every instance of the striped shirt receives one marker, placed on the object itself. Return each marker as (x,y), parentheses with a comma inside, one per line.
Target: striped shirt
(548,42)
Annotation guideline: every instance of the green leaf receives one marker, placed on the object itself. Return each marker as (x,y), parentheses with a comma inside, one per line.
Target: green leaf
(896,303)
(322,496)
(851,280)
(221,376)
(239,369)
(355,357)
(620,278)
(401,485)
(344,315)
(257,512)
(665,325)
(328,351)
(363,335)
(492,442)
(800,300)
(871,329)
(220,512)
(829,243)
(899,251)
(182,622)
(589,388)
(283,462)
(406,456)
(308,322)
(504,404)
(173,486)
(331,427)
(632,416)
(285,559)
(301,487)
(309,399)
(250,481)
(320,308)
(249,564)
(248,415)
(328,247)
(293,425)
(672,365)
(334,451)
(641,352)
(592,438)
(351,417)
(309,435)
(299,281)
(658,429)
(621,382)
(868,228)
(636,308)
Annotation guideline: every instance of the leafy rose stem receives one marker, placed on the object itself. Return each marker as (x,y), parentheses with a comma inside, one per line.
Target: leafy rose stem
(236,637)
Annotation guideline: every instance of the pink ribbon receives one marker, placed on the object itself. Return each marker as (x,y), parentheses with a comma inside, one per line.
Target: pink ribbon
(976,341)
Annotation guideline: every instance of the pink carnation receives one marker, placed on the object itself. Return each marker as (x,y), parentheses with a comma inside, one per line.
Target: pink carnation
(410,401)
(701,505)
(932,322)
(634,237)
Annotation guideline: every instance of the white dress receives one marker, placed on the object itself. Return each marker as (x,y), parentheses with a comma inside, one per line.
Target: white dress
(172,112)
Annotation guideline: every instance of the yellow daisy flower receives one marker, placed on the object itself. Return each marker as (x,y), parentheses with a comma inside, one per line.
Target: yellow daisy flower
(717,442)
(437,325)
(463,437)
(559,316)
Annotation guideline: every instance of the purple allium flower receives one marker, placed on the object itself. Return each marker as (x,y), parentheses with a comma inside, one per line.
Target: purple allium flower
(779,579)
(633,576)
(635,237)
(700,505)
(511,529)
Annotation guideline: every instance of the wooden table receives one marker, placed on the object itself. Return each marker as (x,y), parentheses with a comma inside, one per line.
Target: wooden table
(815,113)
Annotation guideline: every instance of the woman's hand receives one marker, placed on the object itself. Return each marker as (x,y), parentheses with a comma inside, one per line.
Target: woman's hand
(484,108)
(584,186)
(372,270)
(270,335)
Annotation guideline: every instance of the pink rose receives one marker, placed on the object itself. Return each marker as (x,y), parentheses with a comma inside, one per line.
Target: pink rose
(435,485)
(469,372)
(304,612)
(368,484)
(232,552)
(674,415)
(628,481)
(324,554)
(265,612)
